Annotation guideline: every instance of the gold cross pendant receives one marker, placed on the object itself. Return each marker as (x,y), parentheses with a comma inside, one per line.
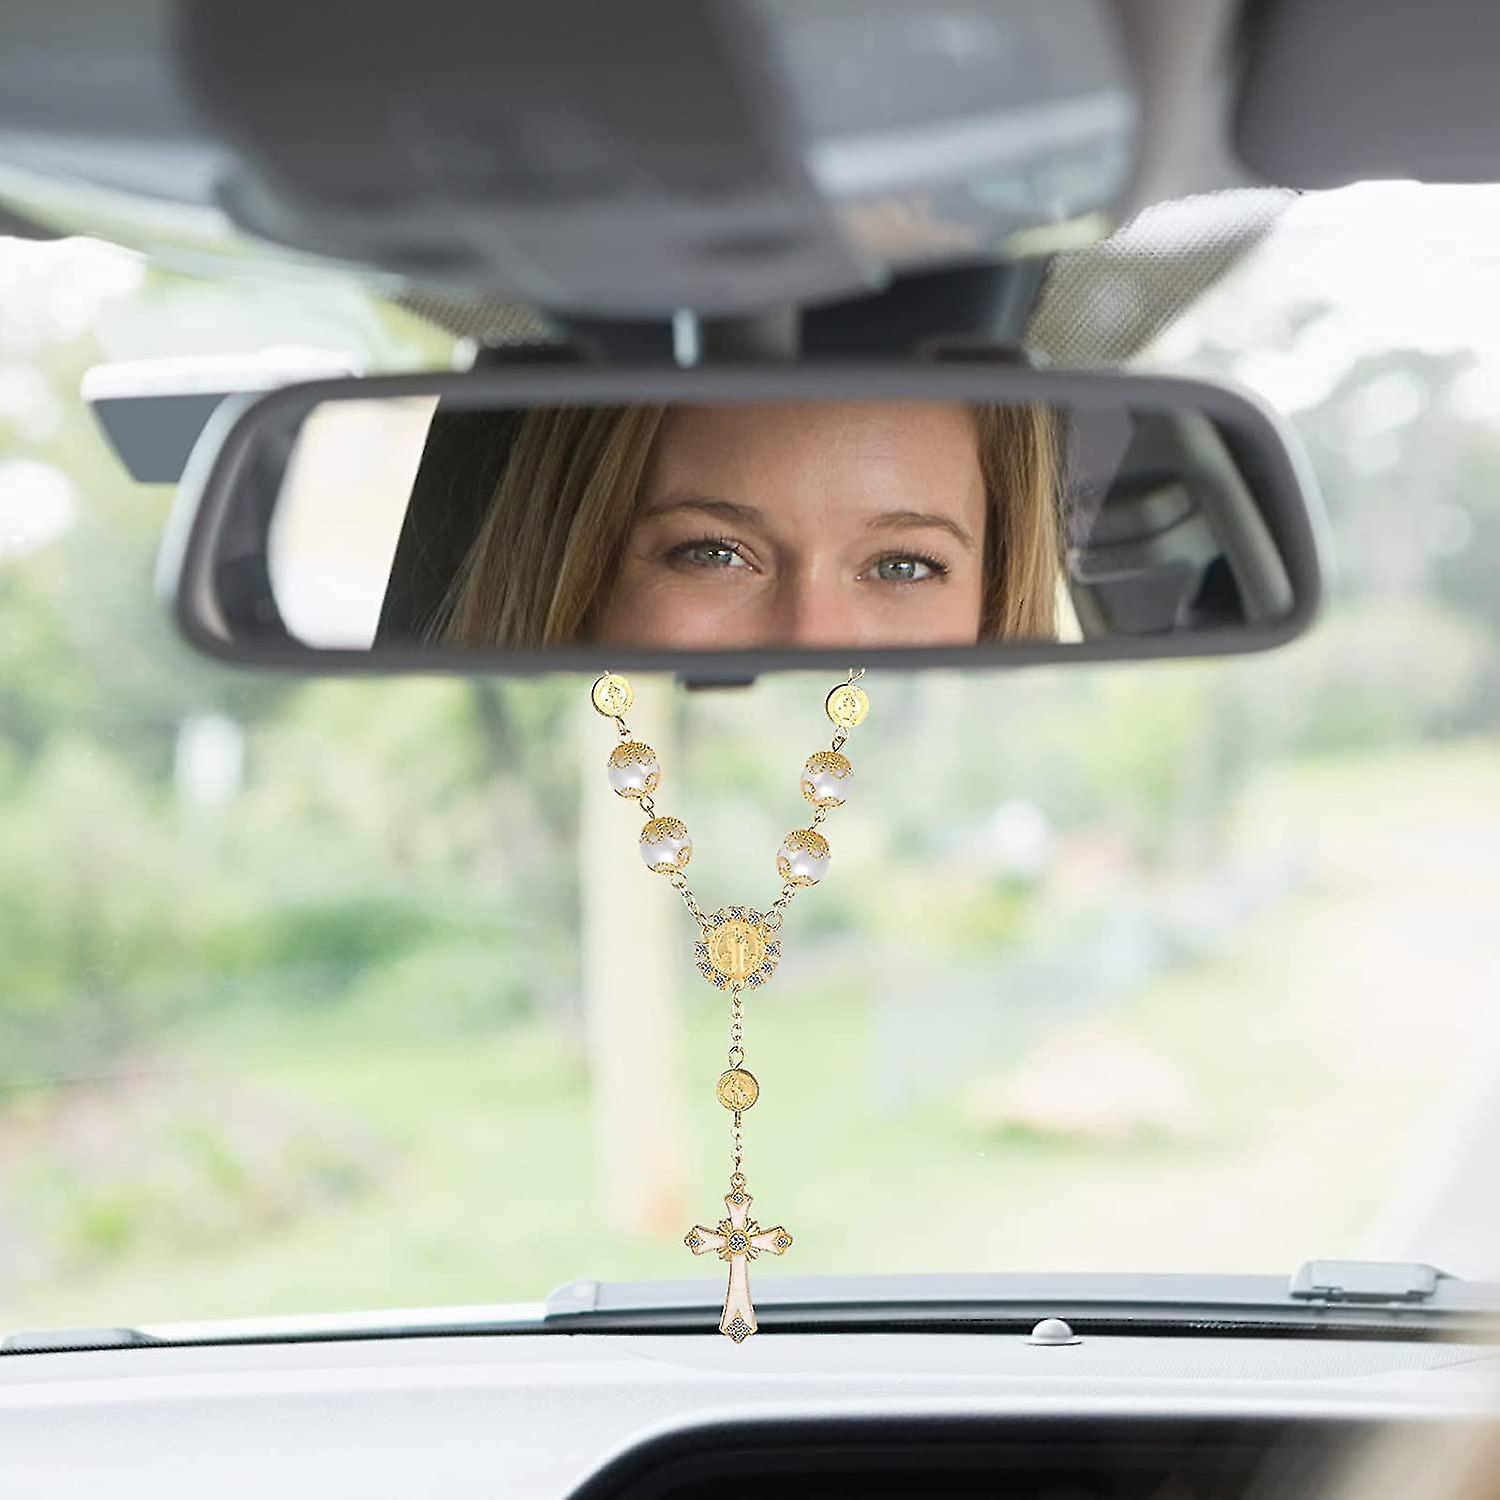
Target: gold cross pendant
(738,1240)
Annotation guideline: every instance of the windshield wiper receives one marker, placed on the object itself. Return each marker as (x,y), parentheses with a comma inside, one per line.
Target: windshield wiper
(1376,1299)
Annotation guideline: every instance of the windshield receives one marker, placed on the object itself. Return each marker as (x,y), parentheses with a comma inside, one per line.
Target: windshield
(326,995)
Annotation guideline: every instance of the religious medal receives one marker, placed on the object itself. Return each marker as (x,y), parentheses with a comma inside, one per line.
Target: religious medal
(847,705)
(737,1088)
(613,695)
(738,949)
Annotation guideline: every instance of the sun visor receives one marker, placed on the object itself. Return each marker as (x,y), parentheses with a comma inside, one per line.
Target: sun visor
(721,156)
(1340,91)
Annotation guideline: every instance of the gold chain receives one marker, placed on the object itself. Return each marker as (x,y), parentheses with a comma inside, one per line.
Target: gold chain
(736,1027)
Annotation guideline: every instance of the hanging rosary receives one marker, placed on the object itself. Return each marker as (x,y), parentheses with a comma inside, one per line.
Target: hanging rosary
(738,949)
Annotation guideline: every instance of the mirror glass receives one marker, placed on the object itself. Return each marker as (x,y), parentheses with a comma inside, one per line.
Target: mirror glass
(406,521)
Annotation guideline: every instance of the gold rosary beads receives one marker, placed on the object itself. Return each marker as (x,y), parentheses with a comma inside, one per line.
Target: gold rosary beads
(739,947)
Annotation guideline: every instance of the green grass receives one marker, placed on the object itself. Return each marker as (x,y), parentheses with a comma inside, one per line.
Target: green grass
(1299,1041)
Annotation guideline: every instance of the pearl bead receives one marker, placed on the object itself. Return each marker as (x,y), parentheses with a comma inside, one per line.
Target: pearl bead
(827,778)
(803,857)
(665,845)
(633,769)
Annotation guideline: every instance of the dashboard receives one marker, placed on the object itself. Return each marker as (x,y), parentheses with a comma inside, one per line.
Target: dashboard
(687,1415)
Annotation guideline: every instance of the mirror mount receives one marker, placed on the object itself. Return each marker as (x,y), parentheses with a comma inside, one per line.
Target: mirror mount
(977,306)
(981,310)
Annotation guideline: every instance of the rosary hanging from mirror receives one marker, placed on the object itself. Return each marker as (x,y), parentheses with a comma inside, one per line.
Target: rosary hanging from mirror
(738,949)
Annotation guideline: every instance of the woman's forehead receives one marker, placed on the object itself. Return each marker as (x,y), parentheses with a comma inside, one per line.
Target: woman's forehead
(858,444)
(825,416)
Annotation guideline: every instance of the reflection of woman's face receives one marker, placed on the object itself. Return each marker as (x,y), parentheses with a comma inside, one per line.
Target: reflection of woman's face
(816,524)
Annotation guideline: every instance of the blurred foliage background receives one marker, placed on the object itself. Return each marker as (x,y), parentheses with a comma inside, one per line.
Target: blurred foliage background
(1157,967)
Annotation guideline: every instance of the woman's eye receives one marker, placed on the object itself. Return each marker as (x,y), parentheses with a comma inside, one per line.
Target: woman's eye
(905,569)
(708,554)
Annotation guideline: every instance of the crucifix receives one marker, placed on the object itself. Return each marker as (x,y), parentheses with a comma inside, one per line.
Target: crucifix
(738,1240)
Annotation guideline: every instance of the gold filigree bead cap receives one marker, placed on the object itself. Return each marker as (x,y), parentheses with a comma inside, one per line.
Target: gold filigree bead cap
(634,770)
(827,778)
(847,705)
(665,845)
(803,857)
(612,695)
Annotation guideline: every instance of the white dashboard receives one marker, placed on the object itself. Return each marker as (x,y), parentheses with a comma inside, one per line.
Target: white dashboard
(537,1414)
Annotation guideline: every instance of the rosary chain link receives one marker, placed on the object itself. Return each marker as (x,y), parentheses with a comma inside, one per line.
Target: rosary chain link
(736,1026)
(679,883)
(737,1060)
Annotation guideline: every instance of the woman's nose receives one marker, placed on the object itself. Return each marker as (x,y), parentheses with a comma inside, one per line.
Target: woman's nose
(818,613)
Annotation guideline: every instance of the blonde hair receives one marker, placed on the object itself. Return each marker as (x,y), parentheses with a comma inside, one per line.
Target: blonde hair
(1442,1461)
(543,566)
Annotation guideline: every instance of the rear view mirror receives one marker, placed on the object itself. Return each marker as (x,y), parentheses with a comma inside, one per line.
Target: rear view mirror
(722,522)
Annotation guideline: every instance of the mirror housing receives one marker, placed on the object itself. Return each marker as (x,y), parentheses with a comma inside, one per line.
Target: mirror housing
(1215,494)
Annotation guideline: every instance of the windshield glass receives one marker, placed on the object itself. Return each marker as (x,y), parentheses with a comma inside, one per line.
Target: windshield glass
(325,995)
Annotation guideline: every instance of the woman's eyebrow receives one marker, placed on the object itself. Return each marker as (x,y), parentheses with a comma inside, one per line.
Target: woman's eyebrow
(923,518)
(748,515)
(727,510)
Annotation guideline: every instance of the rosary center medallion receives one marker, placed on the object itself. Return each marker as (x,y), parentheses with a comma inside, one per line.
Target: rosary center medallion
(737,948)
